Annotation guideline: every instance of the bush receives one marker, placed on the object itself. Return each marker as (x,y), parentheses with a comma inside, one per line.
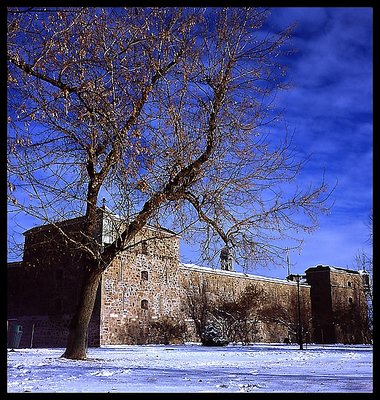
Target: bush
(213,336)
(166,331)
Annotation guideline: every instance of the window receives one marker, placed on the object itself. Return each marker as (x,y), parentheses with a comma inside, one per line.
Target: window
(349,284)
(144,275)
(350,300)
(144,304)
(124,300)
(120,272)
(144,248)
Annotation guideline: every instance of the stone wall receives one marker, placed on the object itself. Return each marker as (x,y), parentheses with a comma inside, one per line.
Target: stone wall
(339,307)
(149,284)
(43,289)
(50,331)
(274,294)
(140,286)
(145,292)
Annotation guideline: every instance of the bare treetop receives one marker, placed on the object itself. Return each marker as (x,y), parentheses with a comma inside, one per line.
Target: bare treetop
(161,111)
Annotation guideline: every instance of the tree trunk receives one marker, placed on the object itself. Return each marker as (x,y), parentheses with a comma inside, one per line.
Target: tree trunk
(76,342)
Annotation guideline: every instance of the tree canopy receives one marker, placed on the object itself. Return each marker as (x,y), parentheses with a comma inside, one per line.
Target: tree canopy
(164,112)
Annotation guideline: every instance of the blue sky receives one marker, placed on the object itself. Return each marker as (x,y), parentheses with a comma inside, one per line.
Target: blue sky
(329,109)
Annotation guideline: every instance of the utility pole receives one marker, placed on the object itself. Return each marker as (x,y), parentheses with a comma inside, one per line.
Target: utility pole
(288,260)
(300,339)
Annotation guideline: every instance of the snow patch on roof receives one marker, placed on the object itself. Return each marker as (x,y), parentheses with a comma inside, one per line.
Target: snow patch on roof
(198,268)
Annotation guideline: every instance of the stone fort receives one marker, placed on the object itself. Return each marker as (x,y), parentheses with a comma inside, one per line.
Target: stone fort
(147,295)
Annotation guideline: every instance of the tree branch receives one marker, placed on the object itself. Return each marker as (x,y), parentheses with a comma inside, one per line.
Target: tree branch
(195,203)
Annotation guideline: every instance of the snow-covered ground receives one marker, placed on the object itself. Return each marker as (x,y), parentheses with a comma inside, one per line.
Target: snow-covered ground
(194,368)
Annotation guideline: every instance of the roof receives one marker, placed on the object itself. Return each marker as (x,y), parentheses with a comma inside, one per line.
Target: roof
(15,264)
(66,222)
(321,267)
(76,220)
(161,228)
(235,274)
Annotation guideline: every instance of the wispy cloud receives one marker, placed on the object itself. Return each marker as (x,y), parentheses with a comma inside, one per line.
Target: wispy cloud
(330,110)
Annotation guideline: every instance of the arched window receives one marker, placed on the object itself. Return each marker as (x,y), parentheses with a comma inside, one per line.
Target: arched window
(144,304)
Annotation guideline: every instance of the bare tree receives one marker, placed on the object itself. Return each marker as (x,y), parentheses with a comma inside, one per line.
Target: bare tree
(286,315)
(199,304)
(364,262)
(352,324)
(165,113)
(231,316)
(240,315)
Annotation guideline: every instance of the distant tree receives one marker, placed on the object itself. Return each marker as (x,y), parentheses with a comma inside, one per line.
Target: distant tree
(133,332)
(286,315)
(349,320)
(240,315)
(220,318)
(166,330)
(364,262)
(163,112)
(199,305)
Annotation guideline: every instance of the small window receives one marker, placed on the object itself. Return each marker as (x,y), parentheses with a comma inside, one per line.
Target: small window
(144,304)
(144,248)
(350,300)
(124,300)
(144,275)
(120,272)
(349,284)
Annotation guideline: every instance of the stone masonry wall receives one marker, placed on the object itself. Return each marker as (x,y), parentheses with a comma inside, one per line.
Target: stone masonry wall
(50,331)
(275,294)
(348,307)
(148,284)
(339,307)
(140,286)
(43,289)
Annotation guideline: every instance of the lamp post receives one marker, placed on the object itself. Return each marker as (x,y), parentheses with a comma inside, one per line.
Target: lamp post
(299,327)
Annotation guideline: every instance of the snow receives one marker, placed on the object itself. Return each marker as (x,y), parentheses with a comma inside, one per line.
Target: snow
(194,368)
